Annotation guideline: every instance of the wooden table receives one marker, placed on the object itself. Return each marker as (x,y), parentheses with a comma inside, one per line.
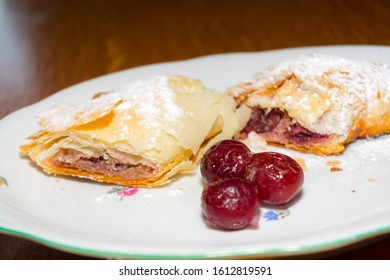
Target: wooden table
(46,46)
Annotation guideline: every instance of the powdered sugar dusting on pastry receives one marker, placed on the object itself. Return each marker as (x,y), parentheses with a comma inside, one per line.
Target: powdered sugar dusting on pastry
(63,116)
(152,100)
(355,76)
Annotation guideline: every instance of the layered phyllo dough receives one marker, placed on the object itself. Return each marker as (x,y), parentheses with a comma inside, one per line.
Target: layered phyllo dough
(141,135)
(317,103)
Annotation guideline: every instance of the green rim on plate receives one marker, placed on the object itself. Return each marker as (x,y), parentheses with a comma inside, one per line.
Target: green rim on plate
(280,252)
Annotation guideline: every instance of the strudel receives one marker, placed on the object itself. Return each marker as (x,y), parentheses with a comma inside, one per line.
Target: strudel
(141,135)
(317,103)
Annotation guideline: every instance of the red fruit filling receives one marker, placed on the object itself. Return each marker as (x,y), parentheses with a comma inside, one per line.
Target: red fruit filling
(277,126)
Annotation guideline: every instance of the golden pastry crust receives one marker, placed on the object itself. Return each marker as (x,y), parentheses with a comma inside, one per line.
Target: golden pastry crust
(329,101)
(139,136)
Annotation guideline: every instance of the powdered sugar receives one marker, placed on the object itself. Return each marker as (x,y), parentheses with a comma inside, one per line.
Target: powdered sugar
(355,76)
(151,99)
(363,79)
(63,116)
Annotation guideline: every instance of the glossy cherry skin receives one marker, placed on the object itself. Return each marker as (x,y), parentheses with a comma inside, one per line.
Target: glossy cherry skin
(225,159)
(230,204)
(278,177)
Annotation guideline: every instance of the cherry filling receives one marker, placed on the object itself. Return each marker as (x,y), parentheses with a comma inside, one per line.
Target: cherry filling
(70,158)
(277,126)
(298,134)
(261,122)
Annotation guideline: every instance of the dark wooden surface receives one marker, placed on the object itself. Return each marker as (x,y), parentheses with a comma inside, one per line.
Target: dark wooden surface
(49,45)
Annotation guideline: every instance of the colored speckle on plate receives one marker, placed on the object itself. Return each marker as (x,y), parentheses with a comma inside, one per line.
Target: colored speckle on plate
(371,180)
(3,182)
(123,191)
(275,215)
(128,192)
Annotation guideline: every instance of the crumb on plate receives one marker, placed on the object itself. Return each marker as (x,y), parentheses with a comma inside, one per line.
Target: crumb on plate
(371,180)
(301,162)
(333,162)
(335,169)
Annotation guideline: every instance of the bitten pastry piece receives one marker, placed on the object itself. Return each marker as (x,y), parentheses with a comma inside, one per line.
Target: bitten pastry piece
(139,136)
(317,103)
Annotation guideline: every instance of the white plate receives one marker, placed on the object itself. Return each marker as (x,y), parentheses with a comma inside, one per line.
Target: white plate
(334,210)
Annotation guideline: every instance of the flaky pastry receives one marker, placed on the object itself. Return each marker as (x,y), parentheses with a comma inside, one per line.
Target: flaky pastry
(317,103)
(139,136)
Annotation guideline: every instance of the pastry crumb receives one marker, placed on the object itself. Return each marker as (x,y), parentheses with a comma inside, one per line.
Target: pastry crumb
(335,169)
(302,164)
(333,162)
(371,180)
(99,94)
(256,141)
(353,191)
